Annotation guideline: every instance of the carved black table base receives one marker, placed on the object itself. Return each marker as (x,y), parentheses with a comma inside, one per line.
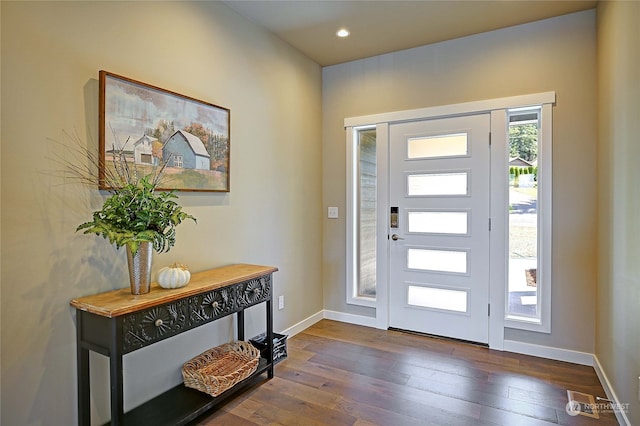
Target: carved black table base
(118,335)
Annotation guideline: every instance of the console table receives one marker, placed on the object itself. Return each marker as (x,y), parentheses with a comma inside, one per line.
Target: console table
(116,323)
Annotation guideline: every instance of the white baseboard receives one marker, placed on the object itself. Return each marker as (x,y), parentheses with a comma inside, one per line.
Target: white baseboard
(557,354)
(350,318)
(332,315)
(304,324)
(621,415)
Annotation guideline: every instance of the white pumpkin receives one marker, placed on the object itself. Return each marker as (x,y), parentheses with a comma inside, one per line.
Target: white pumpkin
(174,276)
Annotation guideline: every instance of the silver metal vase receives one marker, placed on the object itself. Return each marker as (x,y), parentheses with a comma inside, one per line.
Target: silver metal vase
(140,268)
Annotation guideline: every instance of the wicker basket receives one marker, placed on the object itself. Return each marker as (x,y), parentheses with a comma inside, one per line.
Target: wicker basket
(218,369)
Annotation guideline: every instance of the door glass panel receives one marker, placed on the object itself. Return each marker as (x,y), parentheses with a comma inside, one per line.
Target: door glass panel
(437,146)
(437,298)
(437,260)
(437,184)
(438,222)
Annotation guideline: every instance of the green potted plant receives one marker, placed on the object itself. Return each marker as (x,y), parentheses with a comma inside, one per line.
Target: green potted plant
(137,216)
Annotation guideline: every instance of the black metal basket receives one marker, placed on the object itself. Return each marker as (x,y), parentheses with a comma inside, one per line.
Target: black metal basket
(279,346)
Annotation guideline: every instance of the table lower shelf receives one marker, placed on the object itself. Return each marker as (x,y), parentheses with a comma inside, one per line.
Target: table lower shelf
(180,405)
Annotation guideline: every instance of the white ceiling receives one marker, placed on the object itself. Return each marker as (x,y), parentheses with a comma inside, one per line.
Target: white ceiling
(379,27)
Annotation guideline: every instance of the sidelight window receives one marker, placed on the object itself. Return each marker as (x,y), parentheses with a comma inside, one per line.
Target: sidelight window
(362,253)
(529,218)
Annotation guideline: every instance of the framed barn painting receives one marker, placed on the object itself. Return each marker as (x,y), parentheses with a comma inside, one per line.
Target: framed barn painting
(150,130)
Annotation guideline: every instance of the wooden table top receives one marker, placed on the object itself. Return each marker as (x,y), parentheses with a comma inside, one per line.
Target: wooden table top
(119,302)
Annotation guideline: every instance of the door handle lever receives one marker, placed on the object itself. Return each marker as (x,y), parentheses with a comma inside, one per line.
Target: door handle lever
(395,237)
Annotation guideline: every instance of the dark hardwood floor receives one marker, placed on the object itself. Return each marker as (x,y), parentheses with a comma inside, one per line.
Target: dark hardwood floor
(343,374)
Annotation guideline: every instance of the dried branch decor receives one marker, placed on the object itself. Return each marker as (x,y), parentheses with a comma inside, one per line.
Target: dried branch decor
(135,212)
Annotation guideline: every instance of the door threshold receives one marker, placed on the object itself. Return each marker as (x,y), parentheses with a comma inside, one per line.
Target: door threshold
(435,336)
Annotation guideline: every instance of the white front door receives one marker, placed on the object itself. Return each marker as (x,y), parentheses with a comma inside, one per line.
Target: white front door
(439,227)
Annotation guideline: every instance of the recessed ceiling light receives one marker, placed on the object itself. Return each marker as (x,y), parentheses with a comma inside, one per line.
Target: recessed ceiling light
(342,32)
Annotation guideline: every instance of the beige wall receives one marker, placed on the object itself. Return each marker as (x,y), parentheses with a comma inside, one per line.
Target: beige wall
(274,214)
(51,54)
(618,326)
(552,55)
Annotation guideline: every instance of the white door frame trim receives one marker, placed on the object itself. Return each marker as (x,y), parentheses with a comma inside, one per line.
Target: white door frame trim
(453,110)
(497,108)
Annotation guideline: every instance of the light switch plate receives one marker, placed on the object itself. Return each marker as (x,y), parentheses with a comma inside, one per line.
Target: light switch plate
(332,212)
